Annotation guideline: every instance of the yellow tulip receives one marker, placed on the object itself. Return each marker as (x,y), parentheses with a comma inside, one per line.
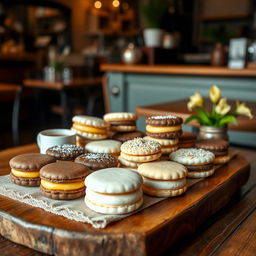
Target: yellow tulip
(215,93)
(196,100)
(222,108)
(242,109)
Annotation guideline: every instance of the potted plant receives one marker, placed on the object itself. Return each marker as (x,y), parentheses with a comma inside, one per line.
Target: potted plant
(153,11)
(213,122)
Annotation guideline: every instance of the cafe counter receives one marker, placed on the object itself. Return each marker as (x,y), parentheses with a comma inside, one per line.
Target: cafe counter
(127,87)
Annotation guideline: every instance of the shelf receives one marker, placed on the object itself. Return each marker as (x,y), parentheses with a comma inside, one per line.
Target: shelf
(225,18)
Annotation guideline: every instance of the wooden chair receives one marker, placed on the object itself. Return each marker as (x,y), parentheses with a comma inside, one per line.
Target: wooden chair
(12,92)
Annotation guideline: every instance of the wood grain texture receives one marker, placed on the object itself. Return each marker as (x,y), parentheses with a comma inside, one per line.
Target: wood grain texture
(179,70)
(76,82)
(149,232)
(179,108)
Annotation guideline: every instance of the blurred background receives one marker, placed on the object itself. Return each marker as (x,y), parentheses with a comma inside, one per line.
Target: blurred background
(82,34)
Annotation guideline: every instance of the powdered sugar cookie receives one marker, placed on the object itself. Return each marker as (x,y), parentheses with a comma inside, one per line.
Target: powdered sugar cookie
(65,152)
(97,161)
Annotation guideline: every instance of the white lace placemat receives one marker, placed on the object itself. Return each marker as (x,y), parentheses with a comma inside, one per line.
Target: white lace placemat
(71,209)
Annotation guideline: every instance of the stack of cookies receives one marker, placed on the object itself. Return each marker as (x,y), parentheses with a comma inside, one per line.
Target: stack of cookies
(137,151)
(165,130)
(122,126)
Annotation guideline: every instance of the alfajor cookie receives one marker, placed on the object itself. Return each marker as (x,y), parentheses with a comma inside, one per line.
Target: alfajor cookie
(163,178)
(124,136)
(97,161)
(65,152)
(89,127)
(140,151)
(25,168)
(104,146)
(218,147)
(164,127)
(199,162)
(167,145)
(187,140)
(63,180)
(114,191)
(121,121)
(127,164)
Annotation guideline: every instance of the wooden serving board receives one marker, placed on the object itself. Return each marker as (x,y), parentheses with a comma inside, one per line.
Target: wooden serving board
(149,232)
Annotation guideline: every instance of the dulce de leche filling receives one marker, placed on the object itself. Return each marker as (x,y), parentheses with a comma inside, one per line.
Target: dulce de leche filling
(159,129)
(89,129)
(25,174)
(62,186)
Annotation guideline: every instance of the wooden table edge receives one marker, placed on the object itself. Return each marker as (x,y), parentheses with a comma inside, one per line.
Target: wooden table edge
(141,243)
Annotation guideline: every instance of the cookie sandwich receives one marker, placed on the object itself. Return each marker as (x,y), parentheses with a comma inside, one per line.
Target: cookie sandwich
(137,151)
(167,145)
(125,136)
(89,127)
(164,127)
(199,162)
(25,168)
(187,140)
(121,121)
(218,147)
(114,191)
(104,146)
(97,161)
(63,180)
(65,152)
(163,178)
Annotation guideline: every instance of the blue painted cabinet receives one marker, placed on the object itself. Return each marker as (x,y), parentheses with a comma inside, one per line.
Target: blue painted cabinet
(126,91)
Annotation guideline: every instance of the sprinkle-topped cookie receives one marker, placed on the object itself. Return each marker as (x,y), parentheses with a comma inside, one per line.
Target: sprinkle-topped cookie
(140,146)
(192,156)
(97,161)
(65,151)
(139,150)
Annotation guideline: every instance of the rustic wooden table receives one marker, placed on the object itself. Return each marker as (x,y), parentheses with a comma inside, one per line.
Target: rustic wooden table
(179,108)
(230,231)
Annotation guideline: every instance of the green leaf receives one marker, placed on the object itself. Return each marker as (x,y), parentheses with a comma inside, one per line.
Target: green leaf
(191,118)
(229,119)
(203,116)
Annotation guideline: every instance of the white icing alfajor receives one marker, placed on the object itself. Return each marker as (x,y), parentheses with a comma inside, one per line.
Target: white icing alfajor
(103,146)
(113,180)
(113,191)
(113,199)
